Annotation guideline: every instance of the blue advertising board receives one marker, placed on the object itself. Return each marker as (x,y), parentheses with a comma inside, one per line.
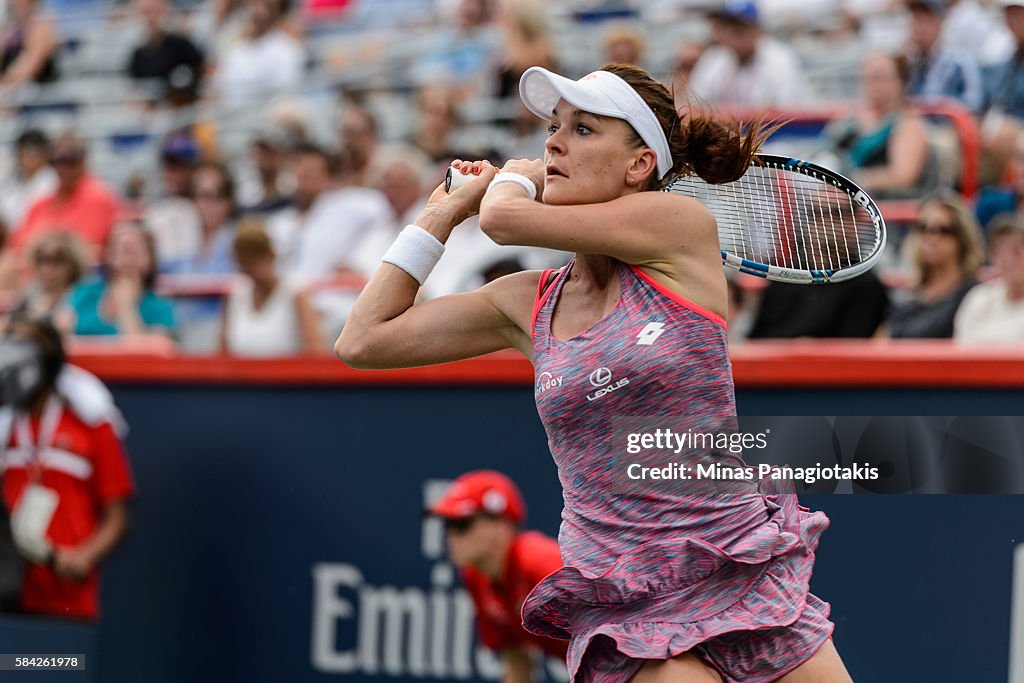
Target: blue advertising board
(278,535)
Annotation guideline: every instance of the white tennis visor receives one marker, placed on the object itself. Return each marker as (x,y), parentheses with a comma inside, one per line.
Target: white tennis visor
(602,93)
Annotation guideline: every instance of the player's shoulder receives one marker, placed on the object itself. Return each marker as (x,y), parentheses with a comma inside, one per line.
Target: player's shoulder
(514,288)
(676,211)
(661,200)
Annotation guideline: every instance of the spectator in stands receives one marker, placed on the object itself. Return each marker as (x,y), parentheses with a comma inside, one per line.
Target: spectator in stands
(883,146)
(165,56)
(219,24)
(526,135)
(993,312)
(500,564)
(173,218)
(74,472)
(57,262)
(266,314)
(747,68)
(854,308)
(213,191)
(1005,93)
(29,46)
(972,28)
(435,122)
(624,44)
(462,52)
(199,318)
(122,301)
(687,56)
(81,202)
(947,254)
(403,178)
(358,134)
(995,200)
(937,70)
(31,179)
(526,42)
(316,236)
(268,188)
(268,58)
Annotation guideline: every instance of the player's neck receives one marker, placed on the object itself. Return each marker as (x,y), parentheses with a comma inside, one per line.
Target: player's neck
(595,270)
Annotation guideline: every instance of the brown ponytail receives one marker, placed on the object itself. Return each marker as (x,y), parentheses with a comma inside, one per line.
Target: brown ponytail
(702,144)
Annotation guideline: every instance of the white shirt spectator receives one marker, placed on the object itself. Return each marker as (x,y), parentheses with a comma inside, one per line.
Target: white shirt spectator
(273,330)
(367,256)
(322,241)
(18,194)
(987,316)
(773,76)
(978,31)
(252,68)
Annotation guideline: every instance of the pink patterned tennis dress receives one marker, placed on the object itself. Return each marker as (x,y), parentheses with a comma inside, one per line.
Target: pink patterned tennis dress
(651,571)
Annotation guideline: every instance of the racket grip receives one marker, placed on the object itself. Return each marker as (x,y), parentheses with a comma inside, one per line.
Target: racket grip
(455,179)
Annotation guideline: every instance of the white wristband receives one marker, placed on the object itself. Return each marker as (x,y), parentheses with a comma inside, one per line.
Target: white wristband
(415,251)
(520,180)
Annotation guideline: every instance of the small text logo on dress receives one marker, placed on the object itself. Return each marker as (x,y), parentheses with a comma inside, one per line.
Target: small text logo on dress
(547,381)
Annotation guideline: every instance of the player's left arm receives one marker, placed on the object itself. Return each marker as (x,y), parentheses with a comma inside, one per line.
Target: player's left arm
(656,229)
(674,239)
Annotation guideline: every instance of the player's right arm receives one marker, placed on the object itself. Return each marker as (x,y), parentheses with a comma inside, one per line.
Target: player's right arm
(388,329)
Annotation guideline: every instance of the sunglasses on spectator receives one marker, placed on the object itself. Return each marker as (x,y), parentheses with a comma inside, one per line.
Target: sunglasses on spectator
(66,160)
(946,230)
(51,257)
(210,195)
(458,525)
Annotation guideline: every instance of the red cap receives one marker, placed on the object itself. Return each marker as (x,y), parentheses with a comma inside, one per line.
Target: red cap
(481,492)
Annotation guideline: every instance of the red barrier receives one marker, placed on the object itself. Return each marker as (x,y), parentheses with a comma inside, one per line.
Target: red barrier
(219,285)
(810,363)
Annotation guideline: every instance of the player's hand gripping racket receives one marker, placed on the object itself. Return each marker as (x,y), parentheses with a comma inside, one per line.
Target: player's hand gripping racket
(786,220)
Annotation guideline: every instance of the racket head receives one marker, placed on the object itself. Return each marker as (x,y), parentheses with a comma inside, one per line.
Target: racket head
(791,220)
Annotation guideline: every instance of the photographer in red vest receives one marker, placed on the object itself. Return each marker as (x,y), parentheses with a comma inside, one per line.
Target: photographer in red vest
(65,476)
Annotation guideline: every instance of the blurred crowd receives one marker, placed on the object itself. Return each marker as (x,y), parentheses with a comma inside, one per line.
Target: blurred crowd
(291,143)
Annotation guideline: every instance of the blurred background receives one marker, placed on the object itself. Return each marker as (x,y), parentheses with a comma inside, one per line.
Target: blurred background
(195,192)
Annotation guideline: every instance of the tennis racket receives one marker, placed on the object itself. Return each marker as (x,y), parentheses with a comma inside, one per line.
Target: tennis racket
(786,220)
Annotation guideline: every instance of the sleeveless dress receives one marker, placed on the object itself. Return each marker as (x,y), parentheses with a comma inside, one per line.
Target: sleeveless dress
(652,571)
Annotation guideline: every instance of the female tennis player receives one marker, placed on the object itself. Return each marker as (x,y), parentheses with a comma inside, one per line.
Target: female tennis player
(654,588)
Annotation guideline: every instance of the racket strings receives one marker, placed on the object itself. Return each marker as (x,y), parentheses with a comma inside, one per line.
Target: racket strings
(780,217)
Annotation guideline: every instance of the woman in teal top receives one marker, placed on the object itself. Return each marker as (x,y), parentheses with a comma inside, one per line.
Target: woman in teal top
(883,146)
(122,301)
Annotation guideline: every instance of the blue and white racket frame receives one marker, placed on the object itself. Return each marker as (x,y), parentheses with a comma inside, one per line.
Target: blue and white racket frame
(813,276)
